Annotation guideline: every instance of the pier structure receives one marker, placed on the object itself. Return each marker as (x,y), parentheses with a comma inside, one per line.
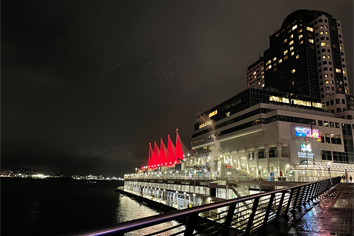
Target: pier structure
(263,212)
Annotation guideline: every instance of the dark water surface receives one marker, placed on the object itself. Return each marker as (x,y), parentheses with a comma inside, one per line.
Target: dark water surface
(59,206)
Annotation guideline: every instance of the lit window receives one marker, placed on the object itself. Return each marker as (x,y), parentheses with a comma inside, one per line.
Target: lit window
(292,53)
(297,56)
(300,36)
(321,26)
(291,48)
(323,44)
(317,104)
(346,91)
(309,29)
(321,32)
(228,114)
(302,41)
(268,62)
(205,124)
(300,30)
(328,56)
(311,40)
(344,72)
(254,72)
(293,71)
(292,83)
(326,32)
(301,102)
(270,66)
(340,47)
(291,42)
(327,82)
(285,52)
(338,70)
(294,27)
(280,61)
(262,85)
(291,36)
(275,58)
(213,113)
(285,40)
(324,56)
(278,99)
(286,57)
(326,75)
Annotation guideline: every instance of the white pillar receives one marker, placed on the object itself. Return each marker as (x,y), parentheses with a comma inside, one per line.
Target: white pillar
(247,161)
(256,149)
(238,157)
(279,148)
(184,203)
(266,150)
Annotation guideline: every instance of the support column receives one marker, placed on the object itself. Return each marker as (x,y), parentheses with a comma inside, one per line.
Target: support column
(266,149)
(238,156)
(184,202)
(279,148)
(247,161)
(256,149)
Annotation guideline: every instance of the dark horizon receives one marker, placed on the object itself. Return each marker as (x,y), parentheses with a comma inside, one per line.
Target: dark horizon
(88,85)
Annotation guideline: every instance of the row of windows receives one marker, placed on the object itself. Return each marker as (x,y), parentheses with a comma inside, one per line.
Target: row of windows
(269,120)
(236,119)
(331,138)
(341,157)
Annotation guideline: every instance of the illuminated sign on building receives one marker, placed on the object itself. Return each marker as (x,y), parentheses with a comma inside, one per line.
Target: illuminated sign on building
(306,132)
(306,151)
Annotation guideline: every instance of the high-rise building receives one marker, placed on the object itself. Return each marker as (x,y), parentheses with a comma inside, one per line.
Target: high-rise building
(255,74)
(306,56)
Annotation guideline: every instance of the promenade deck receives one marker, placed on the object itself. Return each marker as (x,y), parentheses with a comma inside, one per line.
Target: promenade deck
(333,215)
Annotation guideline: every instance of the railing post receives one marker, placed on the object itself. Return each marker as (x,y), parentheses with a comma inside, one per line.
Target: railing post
(250,220)
(192,220)
(228,220)
(306,194)
(270,203)
(313,192)
(280,205)
(296,198)
(289,201)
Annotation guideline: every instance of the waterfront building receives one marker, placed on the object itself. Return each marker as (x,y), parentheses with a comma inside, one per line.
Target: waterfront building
(264,131)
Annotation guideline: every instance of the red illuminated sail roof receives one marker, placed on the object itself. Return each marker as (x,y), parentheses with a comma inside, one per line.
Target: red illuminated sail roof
(171,157)
(151,157)
(163,154)
(179,151)
(157,156)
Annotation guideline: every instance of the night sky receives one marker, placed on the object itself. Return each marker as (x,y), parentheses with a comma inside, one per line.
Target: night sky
(87,85)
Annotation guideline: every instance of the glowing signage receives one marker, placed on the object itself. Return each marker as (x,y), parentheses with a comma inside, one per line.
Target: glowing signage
(306,132)
(306,151)
(305,147)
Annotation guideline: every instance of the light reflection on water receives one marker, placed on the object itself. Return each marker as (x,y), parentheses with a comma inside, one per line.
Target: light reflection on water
(130,210)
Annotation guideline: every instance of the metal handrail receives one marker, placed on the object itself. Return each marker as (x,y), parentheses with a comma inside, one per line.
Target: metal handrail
(304,193)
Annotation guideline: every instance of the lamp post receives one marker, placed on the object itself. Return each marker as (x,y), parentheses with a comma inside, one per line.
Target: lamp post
(329,170)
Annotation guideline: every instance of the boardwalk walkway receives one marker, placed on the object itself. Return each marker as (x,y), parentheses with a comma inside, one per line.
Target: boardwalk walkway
(332,216)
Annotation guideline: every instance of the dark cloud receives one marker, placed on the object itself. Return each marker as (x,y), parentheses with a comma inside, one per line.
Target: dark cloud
(88,84)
